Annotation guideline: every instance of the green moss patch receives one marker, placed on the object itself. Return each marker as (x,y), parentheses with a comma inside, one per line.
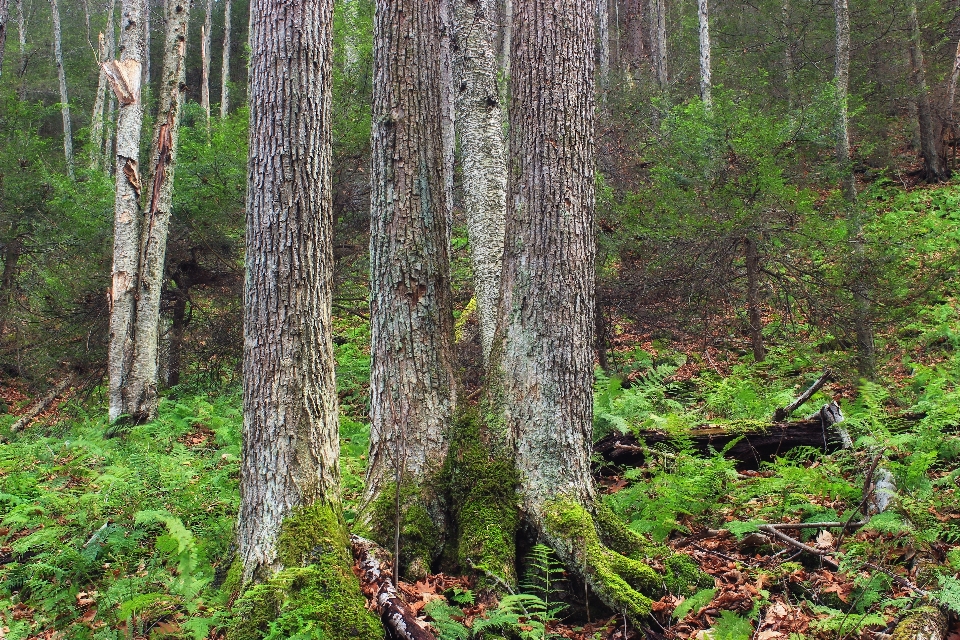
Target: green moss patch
(421,539)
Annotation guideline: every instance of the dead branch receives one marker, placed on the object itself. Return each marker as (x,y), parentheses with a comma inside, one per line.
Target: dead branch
(785,412)
(41,405)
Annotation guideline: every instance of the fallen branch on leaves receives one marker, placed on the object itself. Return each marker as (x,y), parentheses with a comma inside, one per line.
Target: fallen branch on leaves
(377,585)
(41,405)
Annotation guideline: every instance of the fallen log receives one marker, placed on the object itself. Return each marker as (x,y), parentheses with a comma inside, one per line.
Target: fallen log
(756,443)
(926,623)
(377,585)
(41,405)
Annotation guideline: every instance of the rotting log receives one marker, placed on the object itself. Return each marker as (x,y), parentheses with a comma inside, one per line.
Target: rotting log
(755,443)
(925,623)
(377,585)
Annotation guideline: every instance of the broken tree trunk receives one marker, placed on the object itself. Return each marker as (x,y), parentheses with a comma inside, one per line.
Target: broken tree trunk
(756,444)
(377,585)
(785,412)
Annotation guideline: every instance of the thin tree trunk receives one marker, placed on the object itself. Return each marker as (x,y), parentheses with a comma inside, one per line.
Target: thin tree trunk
(859,288)
(706,83)
(64,100)
(658,42)
(175,346)
(479,120)
(96,119)
(22,41)
(448,111)
(141,391)
(952,87)
(205,61)
(752,259)
(146,43)
(225,71)
(788,51)
(411,377)
(603,49)
(936,170)
(11,261)
(506,39)
(4,14)
(125,77)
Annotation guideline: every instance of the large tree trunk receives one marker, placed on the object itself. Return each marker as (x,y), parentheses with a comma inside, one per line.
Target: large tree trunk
(541,395)
(225,70)
(124,77)
(205,60)
(935,167)
(290,511)
(4,14)
(411,377)
(64,99)
(96,119)
(479,120)
(636,36)
(706,83)
(859,287)
(141,389)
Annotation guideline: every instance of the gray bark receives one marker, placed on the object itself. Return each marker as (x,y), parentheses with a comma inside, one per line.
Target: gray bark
(929,148)
(952,90)
(4,14)
(479,120)
(544,346)
(290,445)
(603,49)
(22,41)
(146,43)
(124,77)
(62,79)
(788,51)
(447,110)
(411,378)
(96,119)
(706,82)
(205,60)
(658,42)
(225,70)
(506,39)
(752,260)
(634,31)
(141,389)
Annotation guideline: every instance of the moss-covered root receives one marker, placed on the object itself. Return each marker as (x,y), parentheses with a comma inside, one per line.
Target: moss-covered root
(926,623)
(482,489)
(316,594)
(622,581)
(421,537)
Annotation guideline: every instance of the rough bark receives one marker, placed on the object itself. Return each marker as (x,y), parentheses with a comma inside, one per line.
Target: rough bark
(124,77)
(146,42)
(506,40)
(62,79)
(706,82)
(225,69)
(411,377)
(96,119)
(205,60)
(752,261)
(479,120)
(842,81)
(290,445)
(4,14)
(658,42)
(635,32)
(603,49)
(141,389)
(12,250)
(934,165)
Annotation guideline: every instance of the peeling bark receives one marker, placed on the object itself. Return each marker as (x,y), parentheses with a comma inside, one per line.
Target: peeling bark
(140,393)
(479,120)
(96,120)
(124,77)
(290,446)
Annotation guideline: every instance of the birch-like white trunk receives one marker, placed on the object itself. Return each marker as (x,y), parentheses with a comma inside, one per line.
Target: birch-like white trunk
(62,80)
(479,121)
(146,42)
(952,87)
(125,77)
(658,42)
(141,391)
(225,70)
(706,81)
(205,59)
(96,119)
(22,42)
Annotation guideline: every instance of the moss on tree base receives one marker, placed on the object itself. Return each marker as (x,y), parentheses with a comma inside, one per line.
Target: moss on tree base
(421,539)
(316,595)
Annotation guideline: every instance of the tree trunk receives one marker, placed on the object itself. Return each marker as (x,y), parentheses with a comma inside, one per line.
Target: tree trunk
(96,119)
(124,77)
(146,43)
(658,42)
(479,119)
(506,40)
(62,78)
(603,49)
(706,84)
(225,70)
(22,41)
(205,61)
(141,391)
(542,393)
(752,260)
(448,111)
(933,161)
(411,377)
(4,14)
(12,251)
(175,345)
(788,51)
(859,287)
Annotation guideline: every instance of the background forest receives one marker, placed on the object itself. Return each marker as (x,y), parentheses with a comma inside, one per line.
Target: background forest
(741,253)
